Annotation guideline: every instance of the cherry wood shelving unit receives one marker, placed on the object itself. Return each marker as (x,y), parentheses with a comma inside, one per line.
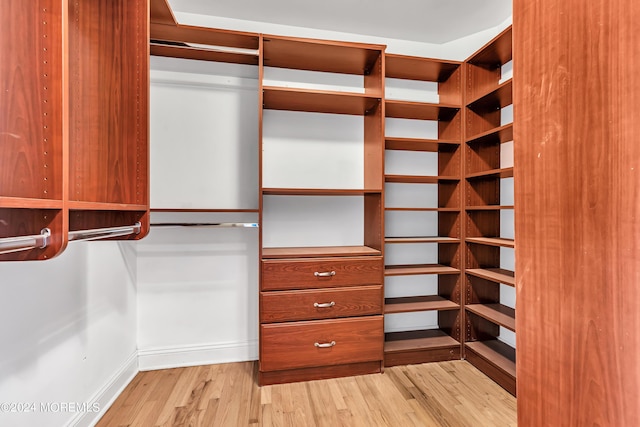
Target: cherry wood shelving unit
(484,315)
(444,343)
(74,128)
(321,271)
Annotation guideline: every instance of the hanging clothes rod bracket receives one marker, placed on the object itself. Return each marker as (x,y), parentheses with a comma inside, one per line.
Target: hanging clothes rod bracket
(24,243)
(104,233)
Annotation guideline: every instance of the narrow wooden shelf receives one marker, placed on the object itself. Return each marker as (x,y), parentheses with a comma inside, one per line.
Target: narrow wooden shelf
(417,68)
(204,210)
(500,134)
(318,251)
(410,270)
(170,32)
(497,353)
(492,241)
(416,144)
(418,340)
(418,179)
(98,206)
(419,110)
(496,98)
(315,192)
(159,48)
(488,207)
(494,274)
(318,101)
(320,55)
(434,239)
(424,209)
(419,303)
(496,313)
(493,173)
(496,52)
(29,203)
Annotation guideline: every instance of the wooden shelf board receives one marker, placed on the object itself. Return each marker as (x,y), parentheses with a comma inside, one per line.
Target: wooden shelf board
(318,251)
(99,206)
(417,68)
(493,173)
(499,97)
(203,35)
(417,340)
(496,52)
(29,203)
(492,241)
(419,110)
(409,270)
(201,54)
(494,274)
(419,303)
(316,192)
(417,179)
(416,144)
(318,101)
(434,239)
(488,207)
(497,353)
(500,134)
(423,209)
(320,55)
(496,313)
(203,210)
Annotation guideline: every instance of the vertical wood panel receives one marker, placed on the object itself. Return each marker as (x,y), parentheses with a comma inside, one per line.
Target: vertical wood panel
(577,166)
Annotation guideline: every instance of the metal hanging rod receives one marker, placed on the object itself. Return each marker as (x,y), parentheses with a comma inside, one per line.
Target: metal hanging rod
(24,243)
(206,224)
(103,233)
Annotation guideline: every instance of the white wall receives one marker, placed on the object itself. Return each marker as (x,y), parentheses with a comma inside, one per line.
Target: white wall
(67,328)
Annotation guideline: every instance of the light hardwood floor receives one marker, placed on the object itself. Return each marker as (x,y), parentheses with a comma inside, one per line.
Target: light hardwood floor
(433,394)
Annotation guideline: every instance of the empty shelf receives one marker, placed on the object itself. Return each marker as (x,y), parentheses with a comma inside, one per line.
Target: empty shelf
(318,251)
(494,274)
(500,134)
(423,209)
(421,240)
(492,241)
(417,340)
(496,313)
(415,144)
(499,97)
(417,68)
(418,179)
(315,192)
(497,353)
(493,173)
(409,270)
(488,208)
(419,110)
(421,303)
(318,101)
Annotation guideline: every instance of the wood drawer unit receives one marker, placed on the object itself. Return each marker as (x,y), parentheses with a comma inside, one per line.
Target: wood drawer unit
(284,306)
(321,343)
(321,273)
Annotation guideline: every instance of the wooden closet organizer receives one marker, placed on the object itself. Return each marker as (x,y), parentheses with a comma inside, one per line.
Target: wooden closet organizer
(74,128)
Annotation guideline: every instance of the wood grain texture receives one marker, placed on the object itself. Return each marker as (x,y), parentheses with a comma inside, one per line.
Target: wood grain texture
(434,394)
(577,189)
(160,12)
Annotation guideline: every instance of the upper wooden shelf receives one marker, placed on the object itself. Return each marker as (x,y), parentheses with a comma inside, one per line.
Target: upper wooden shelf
(454,210)
(496,313)
(497,353)
(419,179)
(493,173)
(410,270)
(420,110)
(416,68)
(205,36)
(316,192)
(492,241)
(188,52)
(318,251)
(498,97)
(320,55)
(397,342)
(499,275)
(500,134)
(435,239)
(28,203)
(317,101)
(97,206)
(488,207)
(417,144)
(419,303)
(496,52)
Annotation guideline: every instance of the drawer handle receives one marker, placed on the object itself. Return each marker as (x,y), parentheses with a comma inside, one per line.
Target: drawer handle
(325,345)
(324,273)
(324,304)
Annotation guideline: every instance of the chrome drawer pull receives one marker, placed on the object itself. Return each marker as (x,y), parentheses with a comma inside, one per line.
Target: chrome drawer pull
(325,345)
(324,304)
(324,274)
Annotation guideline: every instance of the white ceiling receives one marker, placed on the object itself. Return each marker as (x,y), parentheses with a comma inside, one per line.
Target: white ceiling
(430,21)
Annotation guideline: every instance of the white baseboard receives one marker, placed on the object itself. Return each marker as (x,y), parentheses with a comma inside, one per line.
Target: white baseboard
(108,393)
(178,357)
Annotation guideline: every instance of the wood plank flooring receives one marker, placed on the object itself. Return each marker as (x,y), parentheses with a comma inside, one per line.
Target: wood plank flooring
(433,394)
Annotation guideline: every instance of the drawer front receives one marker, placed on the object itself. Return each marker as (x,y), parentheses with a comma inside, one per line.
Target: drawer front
(321,273)
(321,343)
(283,306)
